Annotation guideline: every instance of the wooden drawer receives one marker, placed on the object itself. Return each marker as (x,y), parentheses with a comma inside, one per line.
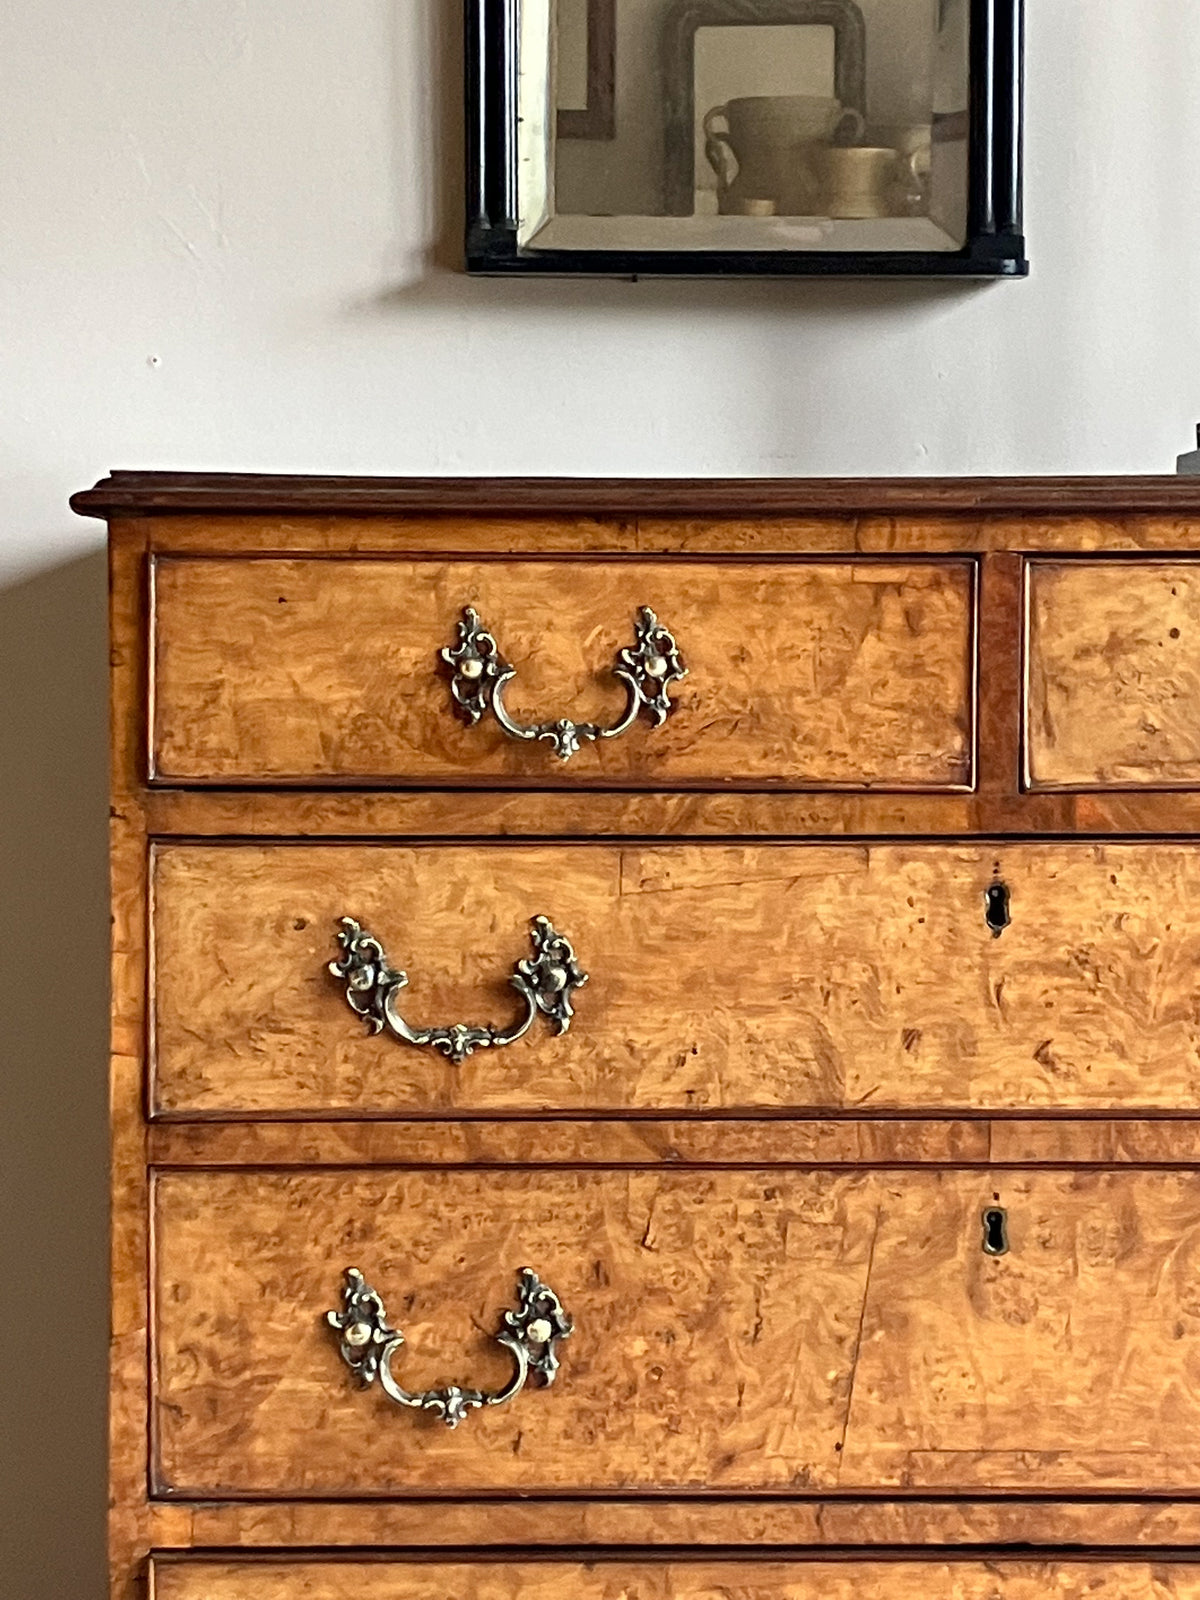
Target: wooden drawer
(1114,674)
(802,674)
(727,978)
(798,1331)
(746,1577)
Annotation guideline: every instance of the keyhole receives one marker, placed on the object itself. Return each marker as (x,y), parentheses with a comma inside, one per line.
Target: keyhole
(997,914)
(995,1231)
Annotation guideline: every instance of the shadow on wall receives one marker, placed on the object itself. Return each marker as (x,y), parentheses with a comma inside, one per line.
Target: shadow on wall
(53,1082)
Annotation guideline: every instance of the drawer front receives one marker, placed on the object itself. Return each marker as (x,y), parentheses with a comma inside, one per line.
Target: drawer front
(846,673)
(801,1332)
(720,978)
(1114,674)
(747,1578)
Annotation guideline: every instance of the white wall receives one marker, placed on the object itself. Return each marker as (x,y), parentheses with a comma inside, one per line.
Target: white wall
(218,220)
(227,234)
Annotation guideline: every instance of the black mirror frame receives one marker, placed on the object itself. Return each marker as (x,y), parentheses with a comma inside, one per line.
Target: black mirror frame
(995,246)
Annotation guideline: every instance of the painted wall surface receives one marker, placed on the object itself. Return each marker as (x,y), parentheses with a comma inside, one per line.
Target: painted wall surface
(228,231)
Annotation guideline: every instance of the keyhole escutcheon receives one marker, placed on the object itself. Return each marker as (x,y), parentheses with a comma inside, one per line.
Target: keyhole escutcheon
(998,915)
(995,1231)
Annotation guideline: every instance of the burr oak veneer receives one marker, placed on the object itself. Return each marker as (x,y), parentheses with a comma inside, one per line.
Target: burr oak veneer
(846,673)
(656,1044)
(747,1577)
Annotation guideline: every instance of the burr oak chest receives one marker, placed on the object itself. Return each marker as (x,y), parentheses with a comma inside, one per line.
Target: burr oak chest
(656,1038)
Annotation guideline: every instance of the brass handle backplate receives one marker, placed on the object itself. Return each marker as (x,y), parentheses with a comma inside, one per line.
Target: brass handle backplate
(479,674)
(546,981)
(530,1334)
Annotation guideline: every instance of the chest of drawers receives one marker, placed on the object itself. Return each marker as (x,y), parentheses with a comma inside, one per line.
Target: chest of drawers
(656,1045)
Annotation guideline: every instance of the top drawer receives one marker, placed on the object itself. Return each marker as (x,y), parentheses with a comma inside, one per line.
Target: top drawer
(801,674)
(1114,674)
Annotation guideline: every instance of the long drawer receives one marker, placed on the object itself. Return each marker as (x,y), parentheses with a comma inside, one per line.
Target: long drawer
(976,976)
(942,1577)
(799,1331)
(802,674)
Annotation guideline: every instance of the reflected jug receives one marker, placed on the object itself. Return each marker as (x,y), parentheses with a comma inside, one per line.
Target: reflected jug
(764,150)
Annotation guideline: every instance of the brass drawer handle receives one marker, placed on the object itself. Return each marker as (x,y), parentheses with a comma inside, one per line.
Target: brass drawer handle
(480,674)
(546,981)
(530,1334)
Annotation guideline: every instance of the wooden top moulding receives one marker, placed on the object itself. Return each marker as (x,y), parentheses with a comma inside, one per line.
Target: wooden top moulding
(144,493)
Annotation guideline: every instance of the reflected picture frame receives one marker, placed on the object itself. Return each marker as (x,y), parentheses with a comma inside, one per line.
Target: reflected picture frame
(596,118)
(992,126)
(684,21)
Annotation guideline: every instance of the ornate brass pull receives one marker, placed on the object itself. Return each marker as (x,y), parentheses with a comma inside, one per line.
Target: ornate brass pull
(545,982)
(480,674)
(530,1334)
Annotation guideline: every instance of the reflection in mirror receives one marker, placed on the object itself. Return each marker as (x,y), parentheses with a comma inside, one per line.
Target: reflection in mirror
(743,124)
(585,68)
(746,79)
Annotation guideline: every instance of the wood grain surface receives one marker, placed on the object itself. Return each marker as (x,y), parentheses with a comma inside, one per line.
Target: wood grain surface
(851,674)
(1111,1524)
(128,1412)
(811,1332)
(1114,674)
(740,1578)
(722,977)
(273,495)
(1045,1399)
(651,1142)
(952,531)
(577,813)
(852,1141)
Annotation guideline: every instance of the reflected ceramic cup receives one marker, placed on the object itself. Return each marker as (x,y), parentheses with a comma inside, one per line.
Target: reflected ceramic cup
(763,150)
(913,141)
(860,181)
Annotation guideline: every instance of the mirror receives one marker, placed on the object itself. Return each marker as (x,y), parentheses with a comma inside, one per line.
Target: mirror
(636,129)
(761,123)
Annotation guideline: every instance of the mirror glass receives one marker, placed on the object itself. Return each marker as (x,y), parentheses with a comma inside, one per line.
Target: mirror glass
(743,124)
